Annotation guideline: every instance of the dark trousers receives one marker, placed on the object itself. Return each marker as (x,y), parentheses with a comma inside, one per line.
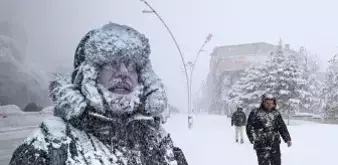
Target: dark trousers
(269,155)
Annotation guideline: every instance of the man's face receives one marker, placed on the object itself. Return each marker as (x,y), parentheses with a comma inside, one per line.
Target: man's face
(269,104)
(119,77)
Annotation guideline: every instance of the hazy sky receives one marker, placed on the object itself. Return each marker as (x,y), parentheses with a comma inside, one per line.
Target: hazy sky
(54,28)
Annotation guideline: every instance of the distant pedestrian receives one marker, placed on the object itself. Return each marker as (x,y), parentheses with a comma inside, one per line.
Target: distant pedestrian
(239,120)
(264,128)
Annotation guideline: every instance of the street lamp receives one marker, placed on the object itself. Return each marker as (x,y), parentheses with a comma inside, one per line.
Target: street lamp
(152,10)
(193,64)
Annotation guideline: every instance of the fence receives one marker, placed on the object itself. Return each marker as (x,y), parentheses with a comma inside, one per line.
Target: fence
(314,118)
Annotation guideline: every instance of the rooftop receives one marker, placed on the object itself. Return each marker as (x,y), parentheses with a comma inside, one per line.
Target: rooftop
(243,49)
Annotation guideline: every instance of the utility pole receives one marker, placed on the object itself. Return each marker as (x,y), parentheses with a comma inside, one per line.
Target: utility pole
(152,10)
(191,65)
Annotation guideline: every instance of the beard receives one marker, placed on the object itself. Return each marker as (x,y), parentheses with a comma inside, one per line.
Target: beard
(120,103)
(121,86)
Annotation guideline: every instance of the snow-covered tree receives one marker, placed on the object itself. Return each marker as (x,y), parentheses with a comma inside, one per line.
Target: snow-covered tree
(276,81)
(297,95)
(247,90)
(330,91)
(282,76)
(311,61)
(274,67)
(313,102)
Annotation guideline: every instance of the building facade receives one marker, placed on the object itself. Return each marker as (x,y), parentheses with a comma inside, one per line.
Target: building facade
(226,64)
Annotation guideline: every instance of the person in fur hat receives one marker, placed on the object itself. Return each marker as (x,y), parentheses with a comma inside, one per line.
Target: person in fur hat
(108,111)
(264,128)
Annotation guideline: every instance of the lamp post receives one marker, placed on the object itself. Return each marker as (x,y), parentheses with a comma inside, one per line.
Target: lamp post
(193,64)
(190,64)
(152,10)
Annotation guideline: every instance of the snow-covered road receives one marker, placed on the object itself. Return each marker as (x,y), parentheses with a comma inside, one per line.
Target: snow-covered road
(211,142)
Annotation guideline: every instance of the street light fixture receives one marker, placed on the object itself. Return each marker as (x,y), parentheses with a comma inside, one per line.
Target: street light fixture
(147,11)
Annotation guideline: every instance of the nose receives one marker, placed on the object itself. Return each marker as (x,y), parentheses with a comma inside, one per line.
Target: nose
(123,68)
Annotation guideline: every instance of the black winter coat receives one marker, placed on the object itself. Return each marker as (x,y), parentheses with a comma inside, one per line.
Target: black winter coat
(238,119)
(265,127)
(60,143)
(93,126)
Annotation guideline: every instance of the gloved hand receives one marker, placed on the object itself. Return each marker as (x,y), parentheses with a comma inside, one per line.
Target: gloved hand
(289,143)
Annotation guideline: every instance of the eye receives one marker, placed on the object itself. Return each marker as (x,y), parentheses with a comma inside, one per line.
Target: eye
(114,63)
(131,67)
(108,67)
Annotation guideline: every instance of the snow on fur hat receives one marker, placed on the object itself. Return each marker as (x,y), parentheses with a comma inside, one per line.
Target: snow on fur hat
(112,42)
(101,46)
(239,107)
(268,97)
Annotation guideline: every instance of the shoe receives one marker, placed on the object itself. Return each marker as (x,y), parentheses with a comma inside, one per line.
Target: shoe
(242,141)
(236,140)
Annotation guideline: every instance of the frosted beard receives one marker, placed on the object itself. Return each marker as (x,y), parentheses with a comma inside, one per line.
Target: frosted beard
(119,104)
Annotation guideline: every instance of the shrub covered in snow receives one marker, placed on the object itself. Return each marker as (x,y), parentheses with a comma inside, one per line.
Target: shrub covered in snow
(32,107)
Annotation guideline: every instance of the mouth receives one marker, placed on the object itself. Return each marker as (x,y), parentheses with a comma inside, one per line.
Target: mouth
(121,88)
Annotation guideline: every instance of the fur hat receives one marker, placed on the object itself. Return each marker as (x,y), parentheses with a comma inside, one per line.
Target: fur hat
(112,42)
(268,97)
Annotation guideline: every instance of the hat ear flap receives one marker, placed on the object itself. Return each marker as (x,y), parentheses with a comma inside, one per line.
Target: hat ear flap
(77,77)
(156,101)
(87,76)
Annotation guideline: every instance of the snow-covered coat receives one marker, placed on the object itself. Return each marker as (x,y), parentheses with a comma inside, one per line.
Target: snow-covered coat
(238,118)
(93,127)
(264,128)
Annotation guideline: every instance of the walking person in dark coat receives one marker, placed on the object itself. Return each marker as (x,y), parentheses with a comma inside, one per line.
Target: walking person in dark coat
(264,128)
(239,119)
(109,111)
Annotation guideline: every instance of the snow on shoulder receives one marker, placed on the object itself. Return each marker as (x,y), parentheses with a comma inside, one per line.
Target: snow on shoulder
(52,131)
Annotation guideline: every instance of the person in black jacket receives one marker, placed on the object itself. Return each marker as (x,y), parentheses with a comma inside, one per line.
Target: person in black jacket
(264,128)
(109,111)
(238,119)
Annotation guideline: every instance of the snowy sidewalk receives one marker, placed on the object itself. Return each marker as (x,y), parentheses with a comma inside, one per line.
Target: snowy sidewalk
(211,141)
